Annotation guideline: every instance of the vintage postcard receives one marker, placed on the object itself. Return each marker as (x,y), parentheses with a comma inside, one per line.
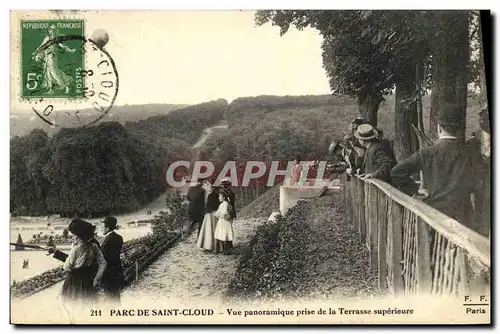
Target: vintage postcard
(250,167)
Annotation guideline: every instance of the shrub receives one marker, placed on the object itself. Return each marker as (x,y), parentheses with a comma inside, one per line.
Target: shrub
(271,265)
(255,261)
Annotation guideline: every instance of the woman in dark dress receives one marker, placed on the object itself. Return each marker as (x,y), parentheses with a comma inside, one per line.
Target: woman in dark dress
(206,239)
(84,264)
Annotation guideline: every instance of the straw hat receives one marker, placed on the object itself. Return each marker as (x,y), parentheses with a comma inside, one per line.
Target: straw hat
(366,132)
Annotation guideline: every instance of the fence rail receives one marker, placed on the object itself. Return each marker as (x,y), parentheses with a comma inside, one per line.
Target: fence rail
(415,248)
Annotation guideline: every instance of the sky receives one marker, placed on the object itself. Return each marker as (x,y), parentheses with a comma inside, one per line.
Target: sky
(188,57)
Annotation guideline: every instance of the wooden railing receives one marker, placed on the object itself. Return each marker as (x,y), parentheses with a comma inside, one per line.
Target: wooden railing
(416,249)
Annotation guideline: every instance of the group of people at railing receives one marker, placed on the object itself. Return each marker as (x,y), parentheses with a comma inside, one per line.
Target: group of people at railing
(453,169)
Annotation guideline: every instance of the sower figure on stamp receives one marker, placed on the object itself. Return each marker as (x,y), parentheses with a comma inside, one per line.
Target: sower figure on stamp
(113,278)
(196,207)
(53,77)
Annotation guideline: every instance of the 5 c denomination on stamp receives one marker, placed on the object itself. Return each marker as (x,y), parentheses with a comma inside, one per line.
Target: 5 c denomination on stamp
(69,80)
(51,69)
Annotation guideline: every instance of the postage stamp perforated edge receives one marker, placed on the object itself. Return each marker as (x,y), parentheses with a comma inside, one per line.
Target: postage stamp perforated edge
(16,20)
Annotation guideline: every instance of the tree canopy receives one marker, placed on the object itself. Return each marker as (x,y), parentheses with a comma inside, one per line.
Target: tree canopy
(104,169)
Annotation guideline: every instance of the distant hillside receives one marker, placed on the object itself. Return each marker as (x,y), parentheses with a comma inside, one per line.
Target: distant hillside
(21,123)
(186,124)
(342,110)
(269,128)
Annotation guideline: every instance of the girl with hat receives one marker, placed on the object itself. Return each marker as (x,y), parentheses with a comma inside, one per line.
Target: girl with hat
(224,231)
(84,264)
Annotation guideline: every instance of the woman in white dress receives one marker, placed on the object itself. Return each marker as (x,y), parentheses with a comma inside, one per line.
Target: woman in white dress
(224,230)
(206,239)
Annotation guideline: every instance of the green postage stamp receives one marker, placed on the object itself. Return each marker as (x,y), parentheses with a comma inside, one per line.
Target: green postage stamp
(51,62)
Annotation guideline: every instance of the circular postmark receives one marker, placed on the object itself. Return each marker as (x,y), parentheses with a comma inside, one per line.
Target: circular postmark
(75,82)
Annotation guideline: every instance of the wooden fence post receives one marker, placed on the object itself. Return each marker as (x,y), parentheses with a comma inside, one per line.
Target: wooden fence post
(382,215)
(360,189)
(372,218)
(395,247)
(424,275)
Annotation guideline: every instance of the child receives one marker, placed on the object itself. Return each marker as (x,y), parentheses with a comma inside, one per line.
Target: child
(224,230)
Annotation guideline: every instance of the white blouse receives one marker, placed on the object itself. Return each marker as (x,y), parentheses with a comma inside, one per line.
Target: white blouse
(222,210)
(82,255)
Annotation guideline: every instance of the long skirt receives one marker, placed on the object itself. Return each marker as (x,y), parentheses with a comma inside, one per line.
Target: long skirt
(224,230)
(206,238)
(78,286)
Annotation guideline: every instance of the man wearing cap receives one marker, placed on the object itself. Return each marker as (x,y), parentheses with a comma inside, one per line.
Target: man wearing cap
(449,171)
(113,278)
(376,161)
(196,207)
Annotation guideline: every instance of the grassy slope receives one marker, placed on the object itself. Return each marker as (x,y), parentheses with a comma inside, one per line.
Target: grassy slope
(263,206)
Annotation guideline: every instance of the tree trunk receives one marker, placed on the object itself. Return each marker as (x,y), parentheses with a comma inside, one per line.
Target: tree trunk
(368,107)
(451,58)
(405,140)
(482,70)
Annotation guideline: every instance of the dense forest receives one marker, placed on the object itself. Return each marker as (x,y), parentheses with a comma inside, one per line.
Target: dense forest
(115,168)
(108,168)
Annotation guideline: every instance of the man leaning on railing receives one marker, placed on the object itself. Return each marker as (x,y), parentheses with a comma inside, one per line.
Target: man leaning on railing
(449,171)
(377,161)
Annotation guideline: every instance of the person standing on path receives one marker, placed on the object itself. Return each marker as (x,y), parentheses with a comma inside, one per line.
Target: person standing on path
(224,231)
(113,278)
(296,172)
(206,239)
(196,207)
(227,189)
(84,264)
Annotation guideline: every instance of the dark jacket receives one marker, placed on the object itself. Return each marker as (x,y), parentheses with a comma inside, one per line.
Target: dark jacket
(377,161)
(111,249)
(212,202)
(450,176)
(196,198)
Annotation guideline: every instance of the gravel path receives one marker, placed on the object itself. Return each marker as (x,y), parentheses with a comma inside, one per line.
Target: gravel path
(189,274)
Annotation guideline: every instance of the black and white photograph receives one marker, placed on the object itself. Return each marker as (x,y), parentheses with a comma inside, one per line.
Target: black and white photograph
(249,167)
